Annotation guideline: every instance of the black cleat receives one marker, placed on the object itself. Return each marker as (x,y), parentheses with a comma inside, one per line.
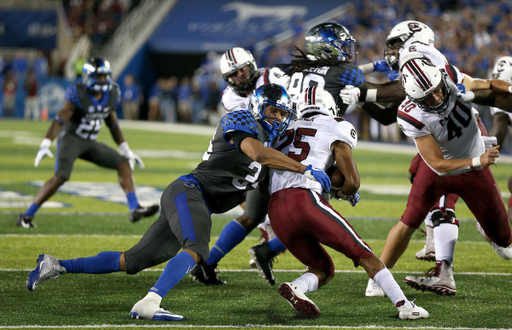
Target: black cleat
(206,274)
(25,221)
(264,258)
(143,212)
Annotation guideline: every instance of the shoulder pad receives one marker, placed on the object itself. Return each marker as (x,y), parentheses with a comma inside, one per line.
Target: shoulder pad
(239,121)
(353,76)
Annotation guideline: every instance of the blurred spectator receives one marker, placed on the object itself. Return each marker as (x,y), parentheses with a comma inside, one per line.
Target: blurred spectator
(19,64)
(154,103)
(197,102)
(31,100)
(9,92)
(184,101)
(167,99)
(40,65)
(79,65)
(131,98)
(3,64)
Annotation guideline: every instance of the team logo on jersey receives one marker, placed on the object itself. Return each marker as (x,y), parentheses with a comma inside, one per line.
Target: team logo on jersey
(90,109)
(106,109)
(277,75)
(243,105)
(353,133)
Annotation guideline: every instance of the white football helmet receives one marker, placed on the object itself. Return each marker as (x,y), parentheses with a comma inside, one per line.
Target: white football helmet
(503,69)
(316,100)
(420,80)
(406,32)
(234,60)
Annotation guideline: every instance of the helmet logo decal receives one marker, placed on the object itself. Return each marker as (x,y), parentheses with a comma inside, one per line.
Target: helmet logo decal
(414,27)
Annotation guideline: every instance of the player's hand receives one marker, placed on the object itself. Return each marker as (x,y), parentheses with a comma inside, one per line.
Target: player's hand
(350,95)
(132,158)
(464,96)
(319,176)
(352,199)
(380,66)
(490,157)
(394,75)
(44,150)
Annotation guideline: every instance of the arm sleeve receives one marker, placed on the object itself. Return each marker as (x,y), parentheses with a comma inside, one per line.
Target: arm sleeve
(242,121)
(71,96)
(238,137)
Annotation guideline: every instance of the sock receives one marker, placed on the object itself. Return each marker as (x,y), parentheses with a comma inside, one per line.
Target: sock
(103,263)
(428,219)
(308,282)
(32,209)
(385,280)
(230,237)
(445,236)
(133,202)
(276,245)
(174,271)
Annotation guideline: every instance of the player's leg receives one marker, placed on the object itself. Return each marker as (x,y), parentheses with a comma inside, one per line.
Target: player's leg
(190,222)
(483,198)
(104,156)
(232,235)
(69,148)
(510,201)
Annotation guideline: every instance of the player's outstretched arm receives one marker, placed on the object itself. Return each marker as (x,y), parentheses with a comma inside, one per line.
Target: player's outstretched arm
(274,159)
(60,119)
(117,134)
(501,122)
(347,166)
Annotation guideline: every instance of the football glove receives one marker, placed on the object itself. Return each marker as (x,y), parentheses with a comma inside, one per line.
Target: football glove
(352,199)
(393,75)
(350,95)
(464,96)
(132,158)
(319,176)
(380,66)
(44,150)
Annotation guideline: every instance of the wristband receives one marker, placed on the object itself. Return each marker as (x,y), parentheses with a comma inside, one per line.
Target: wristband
(475,162)
(46,143)
(57,118)
(510,89)
(371,95)
(366,68)
(470,96)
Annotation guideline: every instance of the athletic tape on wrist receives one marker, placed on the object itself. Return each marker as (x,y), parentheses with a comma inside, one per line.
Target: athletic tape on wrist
(371,95)
(475,162)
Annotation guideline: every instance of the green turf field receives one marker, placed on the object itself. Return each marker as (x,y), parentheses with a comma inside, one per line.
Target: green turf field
(90,225)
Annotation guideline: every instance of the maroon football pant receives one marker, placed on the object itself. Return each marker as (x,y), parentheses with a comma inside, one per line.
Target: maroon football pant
(302,221)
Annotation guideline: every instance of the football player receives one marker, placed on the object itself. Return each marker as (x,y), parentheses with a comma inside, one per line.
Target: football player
(304,221)
(449,140)
(87,105)
(235,162)
(242,75)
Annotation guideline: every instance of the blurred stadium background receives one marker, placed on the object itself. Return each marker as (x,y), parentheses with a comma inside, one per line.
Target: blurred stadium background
(164,53)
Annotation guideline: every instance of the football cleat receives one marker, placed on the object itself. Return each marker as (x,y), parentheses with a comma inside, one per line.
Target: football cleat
(264,258)
(148,309)
(412,312)
(439,279)
(373,289)
(504,252)
(295,297)
(206,274)
(143,212)
(47,267)
(25,221)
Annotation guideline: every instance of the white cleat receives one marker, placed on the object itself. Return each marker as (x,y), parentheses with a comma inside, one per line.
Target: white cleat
(148,309)
(298,300)
(373,289)
(413,312)
(504,252)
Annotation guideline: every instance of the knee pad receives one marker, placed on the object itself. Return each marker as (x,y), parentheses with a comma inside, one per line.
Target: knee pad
(444,215)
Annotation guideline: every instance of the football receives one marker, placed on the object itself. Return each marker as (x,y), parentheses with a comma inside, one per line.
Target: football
(337,178)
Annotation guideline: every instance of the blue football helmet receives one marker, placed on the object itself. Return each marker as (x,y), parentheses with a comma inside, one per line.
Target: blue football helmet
(271,95)
(92,68)
(331,41)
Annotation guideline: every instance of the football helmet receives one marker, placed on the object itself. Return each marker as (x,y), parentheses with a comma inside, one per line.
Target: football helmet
(330,41)
(276,96)
(316,100)
(420,80)
(503,69)
(406,31)
(234,60)
(90,71)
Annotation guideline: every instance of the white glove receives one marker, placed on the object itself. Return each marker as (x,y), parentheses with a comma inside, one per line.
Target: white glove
(43,151)
(350,95)
(132,158)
